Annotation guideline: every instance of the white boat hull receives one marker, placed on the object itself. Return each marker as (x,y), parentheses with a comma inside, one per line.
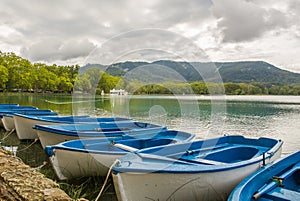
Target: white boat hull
(170,186)
(24,127)
(48,138)
(70,164)
(8,123)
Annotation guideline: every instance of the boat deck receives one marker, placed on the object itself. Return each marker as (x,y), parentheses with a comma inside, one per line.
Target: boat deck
(280,194)
(223,154)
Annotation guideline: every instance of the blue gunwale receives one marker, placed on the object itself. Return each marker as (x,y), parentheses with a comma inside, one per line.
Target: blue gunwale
(72,119)
(102,129)
(91,145)
(9,105)
(36,112)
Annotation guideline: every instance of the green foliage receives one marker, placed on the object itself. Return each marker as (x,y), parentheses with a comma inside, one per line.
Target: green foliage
(19,74)
(3,76)
(108,82)
(202,88)
(240,78)
(94,80)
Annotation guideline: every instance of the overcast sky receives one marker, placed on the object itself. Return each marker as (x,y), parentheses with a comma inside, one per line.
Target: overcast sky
(67,31)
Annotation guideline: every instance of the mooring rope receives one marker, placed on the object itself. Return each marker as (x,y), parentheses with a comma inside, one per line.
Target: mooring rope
(35,140)
(106,179)
(10,132)
(41,166)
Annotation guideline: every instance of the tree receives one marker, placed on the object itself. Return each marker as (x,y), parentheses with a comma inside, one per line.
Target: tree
(65,83)
(83,84)
(108,82)
(199,87)
(3,77)
(274,90)
(285,90)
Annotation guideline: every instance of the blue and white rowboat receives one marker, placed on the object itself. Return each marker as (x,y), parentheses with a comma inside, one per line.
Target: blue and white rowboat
(91,157)
(24,123)
(9,108)
(54,134)
(8,120)
(200,170)
(279,180)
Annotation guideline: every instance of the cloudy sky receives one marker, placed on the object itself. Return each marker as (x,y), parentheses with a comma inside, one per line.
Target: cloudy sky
(68,31)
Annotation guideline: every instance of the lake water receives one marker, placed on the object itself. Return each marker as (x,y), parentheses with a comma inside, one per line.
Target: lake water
(250,116)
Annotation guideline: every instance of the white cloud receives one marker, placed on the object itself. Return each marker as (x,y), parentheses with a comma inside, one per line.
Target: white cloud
(52,49)
(67,30)
(242,21)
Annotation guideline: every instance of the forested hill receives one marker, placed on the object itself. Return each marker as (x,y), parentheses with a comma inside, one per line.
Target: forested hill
(159,77)
(166,70)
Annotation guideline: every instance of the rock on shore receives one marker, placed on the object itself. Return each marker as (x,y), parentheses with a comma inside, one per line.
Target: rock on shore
(20,182)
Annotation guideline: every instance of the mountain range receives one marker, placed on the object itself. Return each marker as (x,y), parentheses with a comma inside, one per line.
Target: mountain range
(175,71)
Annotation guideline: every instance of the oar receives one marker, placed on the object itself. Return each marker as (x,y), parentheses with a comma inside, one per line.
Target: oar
(150,156)
(125,147)
(277,181)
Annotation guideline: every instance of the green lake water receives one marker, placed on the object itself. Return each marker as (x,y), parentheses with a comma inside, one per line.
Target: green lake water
(250,116)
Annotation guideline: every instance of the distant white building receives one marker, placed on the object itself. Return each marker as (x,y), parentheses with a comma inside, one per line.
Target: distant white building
(118,92)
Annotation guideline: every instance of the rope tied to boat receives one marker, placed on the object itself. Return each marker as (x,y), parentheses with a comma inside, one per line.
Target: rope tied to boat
(106,179)
(5,136)
(35,140)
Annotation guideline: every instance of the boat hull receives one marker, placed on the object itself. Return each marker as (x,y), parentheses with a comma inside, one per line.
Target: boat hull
(199,170)
(24,128)
(48,138)
(8,123)
(82,164)
(165,186)
(172,186)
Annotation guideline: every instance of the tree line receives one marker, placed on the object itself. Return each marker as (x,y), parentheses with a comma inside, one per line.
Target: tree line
(19,74)
(229,88)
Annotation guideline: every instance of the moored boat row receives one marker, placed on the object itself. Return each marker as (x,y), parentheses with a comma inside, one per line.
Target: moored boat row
(163,164)
(7,111)
(8,118)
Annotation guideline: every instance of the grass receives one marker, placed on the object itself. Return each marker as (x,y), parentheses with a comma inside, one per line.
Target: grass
(88,187)
(85,187)
(34,155)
